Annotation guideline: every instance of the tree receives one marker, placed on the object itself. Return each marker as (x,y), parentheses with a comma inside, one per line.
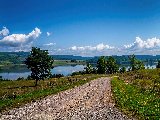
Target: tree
(111,66)
(40,64)
(158,65)
(89,68)
(101,65)
(135,64)
(123,69)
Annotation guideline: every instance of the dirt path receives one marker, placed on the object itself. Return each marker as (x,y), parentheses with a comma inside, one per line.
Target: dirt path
(91,101)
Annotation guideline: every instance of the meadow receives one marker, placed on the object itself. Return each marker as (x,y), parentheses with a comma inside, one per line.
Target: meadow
(137,93)
(16,93)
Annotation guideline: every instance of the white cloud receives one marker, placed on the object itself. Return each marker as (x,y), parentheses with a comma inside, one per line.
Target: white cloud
(99,47)
(142,44)
(50,44)
(150,46)
(48,34)
(20,40)
(4,32)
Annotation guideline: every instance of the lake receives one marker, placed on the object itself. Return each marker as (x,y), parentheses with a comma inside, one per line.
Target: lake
(16,72)
(65,70)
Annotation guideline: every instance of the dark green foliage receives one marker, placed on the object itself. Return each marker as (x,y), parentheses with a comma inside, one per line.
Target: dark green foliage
(29,77)
(101,65)
(78,73)
(40,64)
(57,75)
(0,77)
(20,78)
(73,60)
(135,64)
(111,65)
(122,70)
(158,65)
(89,68)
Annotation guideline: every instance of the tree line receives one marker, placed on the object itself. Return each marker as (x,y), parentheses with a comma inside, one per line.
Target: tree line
(110,65)
(40,64)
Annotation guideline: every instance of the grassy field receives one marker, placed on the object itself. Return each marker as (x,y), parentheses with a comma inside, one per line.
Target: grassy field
(17,93)
(138,93)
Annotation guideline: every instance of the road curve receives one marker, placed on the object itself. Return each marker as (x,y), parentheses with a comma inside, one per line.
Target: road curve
(91,101)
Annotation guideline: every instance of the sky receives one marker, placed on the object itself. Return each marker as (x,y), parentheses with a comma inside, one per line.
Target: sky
(81,27)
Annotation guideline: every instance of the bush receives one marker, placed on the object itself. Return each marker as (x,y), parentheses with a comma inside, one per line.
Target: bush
(20,78)
(78,73)
(57,75)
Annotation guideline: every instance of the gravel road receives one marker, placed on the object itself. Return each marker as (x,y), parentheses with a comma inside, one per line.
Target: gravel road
(91,101)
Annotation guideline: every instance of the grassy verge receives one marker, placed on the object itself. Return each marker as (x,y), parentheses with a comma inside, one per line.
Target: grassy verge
(17,93)
(136,101)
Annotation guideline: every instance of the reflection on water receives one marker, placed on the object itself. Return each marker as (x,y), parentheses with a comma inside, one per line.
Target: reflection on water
(66,70)
(15,73)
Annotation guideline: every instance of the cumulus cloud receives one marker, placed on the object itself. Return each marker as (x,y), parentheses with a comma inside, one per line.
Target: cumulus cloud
(98,47)
(20,40)
(50,44)
(139,46)
(4,32)
(48,34)
(144,44)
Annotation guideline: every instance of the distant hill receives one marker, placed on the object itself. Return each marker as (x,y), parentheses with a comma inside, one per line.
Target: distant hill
(7,58)
(19,58)
(12,57)
(70,57)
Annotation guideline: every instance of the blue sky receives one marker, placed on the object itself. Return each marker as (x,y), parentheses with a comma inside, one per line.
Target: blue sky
(81,27)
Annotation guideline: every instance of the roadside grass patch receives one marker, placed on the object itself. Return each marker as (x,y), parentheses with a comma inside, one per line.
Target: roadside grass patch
(17,93)
(134,101)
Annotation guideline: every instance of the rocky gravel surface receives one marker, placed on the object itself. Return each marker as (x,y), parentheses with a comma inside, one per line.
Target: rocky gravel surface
(91,101)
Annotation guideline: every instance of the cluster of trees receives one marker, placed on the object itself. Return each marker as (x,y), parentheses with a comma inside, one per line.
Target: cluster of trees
(40,64)
(110,66)
(158,65)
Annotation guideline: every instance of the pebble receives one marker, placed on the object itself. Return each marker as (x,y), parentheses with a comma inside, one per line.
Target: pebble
(91,101)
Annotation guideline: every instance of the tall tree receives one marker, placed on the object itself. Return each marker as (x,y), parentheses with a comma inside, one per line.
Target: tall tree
(122,70)
(135,64)
(101,65)
(89,68)
(158,65)
(40,64)
(111,65)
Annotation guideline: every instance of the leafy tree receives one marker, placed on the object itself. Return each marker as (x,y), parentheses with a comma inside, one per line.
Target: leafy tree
(73,60)
(135,64)
(158,65)
(111,65)
(89,68)
(140,65)
(40,64)
(123,70)
(101,65)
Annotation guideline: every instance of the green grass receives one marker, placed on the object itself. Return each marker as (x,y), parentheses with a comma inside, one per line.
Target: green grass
(135,101)
(16,93)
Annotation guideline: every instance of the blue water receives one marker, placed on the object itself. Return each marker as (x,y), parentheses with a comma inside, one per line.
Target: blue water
(65,70)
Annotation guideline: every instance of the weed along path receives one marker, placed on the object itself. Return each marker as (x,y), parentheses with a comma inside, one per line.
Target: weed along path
(91,101)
